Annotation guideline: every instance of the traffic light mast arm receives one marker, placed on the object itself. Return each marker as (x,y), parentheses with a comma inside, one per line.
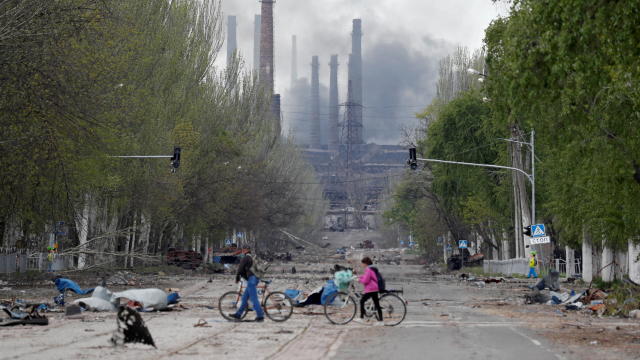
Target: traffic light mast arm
(479,165)
(143,156)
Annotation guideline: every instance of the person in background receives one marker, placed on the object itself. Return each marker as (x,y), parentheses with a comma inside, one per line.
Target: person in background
(533,262)
(250,292)
(370,282)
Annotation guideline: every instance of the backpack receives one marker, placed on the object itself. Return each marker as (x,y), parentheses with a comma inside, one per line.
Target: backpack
(382,285)
(259,267)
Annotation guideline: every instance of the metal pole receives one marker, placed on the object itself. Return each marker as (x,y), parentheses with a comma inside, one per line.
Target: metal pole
(533,177)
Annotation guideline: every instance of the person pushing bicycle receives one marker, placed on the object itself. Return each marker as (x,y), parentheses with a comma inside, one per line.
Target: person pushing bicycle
(370,281)
(246,271)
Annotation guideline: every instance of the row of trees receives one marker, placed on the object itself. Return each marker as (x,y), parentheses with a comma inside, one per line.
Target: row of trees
(569,70)
(82,80)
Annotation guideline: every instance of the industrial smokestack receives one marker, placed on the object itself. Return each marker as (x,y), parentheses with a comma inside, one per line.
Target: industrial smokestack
(294,61)
(232,44)
(256,43)
(334,110)
(355,76)
(266,45)
(315,104)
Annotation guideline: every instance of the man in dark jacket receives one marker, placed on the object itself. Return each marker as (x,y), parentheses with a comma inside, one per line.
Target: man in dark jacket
(251,291)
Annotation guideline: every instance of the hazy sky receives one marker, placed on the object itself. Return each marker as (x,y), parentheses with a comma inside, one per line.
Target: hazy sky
(402,44)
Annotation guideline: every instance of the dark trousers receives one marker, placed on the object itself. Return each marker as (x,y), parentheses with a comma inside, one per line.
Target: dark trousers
(376,303)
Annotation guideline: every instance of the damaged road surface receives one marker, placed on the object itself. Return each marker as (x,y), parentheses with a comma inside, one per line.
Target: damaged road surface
(446,318)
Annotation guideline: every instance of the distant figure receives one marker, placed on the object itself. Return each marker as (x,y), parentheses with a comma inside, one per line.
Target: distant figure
(533,262)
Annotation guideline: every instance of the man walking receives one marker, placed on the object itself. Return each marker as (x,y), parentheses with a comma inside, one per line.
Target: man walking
(533,262)
(250,292)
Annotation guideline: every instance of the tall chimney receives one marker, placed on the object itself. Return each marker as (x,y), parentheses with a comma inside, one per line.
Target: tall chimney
(232,44)
(266,45)
(256,43)
(334,110)
(355,75)
(294,61)
(315,104)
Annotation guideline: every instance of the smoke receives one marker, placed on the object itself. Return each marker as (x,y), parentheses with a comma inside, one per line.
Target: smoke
(399,81)
(402,44)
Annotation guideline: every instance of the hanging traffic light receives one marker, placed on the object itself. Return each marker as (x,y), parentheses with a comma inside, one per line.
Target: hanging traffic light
(413,159)
(175,159)
(527,230)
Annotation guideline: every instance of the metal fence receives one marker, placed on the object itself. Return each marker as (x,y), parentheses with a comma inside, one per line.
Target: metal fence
(12,261)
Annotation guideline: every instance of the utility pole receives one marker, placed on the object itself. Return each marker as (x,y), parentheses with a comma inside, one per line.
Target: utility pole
(413,163)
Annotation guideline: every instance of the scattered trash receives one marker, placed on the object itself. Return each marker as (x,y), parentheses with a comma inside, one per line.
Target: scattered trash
(634,314)
(32,318)
(201,323)
(574,306)
(479,284)
(594,342)
(64,284)
(536,297)
(72,310)
(131,328)
(559,298)
(550,281)
(283,331)
(493,280)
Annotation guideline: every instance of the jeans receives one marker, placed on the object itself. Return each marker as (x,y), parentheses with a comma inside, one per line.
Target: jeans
(251,293)
(532,272)
(376,303)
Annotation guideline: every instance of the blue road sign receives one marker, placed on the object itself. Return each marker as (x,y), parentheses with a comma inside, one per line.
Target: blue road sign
(462,244)
(449,247)
(538,230)
(439,240)
(227,242)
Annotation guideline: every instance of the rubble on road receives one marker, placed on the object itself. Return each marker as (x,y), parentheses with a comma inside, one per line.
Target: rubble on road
(123,278)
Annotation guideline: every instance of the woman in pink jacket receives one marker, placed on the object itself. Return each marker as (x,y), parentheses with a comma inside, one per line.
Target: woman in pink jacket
(370,282)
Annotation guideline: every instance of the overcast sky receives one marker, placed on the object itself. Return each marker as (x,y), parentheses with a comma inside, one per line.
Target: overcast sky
(402,44)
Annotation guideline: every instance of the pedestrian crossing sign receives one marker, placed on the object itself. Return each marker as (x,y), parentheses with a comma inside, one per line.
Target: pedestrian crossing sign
(538,230)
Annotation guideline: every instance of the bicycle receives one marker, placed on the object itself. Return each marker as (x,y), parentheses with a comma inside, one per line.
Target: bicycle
(277,306)
(341,307)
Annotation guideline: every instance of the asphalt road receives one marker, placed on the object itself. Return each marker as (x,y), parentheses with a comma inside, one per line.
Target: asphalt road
(441,323)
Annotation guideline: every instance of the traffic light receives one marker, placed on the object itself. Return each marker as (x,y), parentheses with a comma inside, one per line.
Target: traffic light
(527,230)
(175,159)
(413,159)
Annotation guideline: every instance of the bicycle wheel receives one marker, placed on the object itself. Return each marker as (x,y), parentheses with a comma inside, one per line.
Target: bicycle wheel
(340,308)
(394,309)
(278,306)
(229,303)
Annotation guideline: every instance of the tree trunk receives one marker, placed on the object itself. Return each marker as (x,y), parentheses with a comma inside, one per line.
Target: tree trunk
(634,262)
(570,257)
(145,232)
(587,258)
(82,224)
(132,249)
(608,264)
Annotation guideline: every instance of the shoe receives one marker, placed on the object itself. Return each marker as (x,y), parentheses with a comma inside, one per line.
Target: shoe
(235,317)
(378,323)
(259,319)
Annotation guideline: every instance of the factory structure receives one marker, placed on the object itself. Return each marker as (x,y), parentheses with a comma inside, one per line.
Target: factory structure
(355,174)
